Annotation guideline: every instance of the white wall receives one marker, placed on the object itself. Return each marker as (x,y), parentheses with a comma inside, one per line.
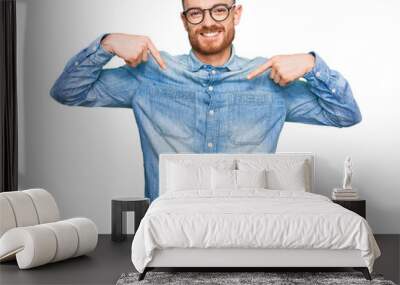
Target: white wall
(86,156)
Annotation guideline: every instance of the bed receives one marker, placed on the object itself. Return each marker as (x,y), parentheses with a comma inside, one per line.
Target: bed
(247,210)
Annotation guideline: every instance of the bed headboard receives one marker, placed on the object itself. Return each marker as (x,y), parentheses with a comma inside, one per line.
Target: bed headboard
(208,158)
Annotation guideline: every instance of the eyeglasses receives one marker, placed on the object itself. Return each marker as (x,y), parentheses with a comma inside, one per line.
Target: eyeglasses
(218,12)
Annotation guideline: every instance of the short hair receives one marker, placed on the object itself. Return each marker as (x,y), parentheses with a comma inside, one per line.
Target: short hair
(183,3)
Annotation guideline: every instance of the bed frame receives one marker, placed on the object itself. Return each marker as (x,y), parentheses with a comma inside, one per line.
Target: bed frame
(250,258)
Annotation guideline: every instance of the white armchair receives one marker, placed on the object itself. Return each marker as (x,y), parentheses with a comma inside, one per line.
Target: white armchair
(32,233)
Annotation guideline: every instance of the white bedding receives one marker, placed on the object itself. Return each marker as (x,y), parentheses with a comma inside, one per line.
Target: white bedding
(250,218)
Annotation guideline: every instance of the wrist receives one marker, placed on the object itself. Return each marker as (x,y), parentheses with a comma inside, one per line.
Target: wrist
(106,43)
(311,59)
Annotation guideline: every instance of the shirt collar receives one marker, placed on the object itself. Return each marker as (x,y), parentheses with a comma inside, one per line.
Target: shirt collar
(232,64)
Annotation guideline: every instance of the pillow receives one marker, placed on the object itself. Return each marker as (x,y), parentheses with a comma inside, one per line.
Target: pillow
(223,179)
(251,178)
(290,179)
(282,174)
(236,179)
(187,177)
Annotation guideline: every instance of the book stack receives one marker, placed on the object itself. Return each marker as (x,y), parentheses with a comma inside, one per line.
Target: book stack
(344,194)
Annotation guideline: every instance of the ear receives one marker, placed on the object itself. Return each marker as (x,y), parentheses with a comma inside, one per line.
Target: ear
(237,14)
(185,24)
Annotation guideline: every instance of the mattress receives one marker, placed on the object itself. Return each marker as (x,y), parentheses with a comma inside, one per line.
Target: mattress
(250,218)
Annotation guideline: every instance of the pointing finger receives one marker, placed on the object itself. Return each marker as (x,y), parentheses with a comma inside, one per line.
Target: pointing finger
(259,70)
(277,78)
(156,55)
(130,63)
(272,74)
(145,54)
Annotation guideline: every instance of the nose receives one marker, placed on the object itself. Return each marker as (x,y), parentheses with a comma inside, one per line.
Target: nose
(208,20)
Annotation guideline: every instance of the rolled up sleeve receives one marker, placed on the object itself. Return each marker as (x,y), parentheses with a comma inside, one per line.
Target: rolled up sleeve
(323,98)
(84,81)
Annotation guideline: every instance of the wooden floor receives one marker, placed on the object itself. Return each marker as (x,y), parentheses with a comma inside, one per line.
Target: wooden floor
(111,259)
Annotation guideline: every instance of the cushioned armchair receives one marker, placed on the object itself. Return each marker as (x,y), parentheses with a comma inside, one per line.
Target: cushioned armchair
(32,233)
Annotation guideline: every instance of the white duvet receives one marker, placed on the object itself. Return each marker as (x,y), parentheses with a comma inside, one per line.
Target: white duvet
(250,218)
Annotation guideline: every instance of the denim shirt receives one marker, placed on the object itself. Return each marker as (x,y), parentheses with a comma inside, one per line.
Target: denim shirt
(193,107)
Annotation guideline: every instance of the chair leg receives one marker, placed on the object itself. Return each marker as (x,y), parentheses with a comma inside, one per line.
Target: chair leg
(143,274)
(364,271)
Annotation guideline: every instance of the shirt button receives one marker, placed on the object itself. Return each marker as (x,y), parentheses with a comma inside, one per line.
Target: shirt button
(94,48)
(210,88)
(213,71)
(318,74)
(76,63)
(210,145)
(333,90)
(211,112)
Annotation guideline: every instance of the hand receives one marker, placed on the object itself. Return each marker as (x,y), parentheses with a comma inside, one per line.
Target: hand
(286,68)
(133,49)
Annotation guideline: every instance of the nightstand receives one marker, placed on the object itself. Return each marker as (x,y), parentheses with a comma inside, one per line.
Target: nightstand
(357,206)
(119,207)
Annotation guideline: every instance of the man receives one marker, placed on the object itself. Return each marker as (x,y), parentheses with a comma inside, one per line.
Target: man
(209,100)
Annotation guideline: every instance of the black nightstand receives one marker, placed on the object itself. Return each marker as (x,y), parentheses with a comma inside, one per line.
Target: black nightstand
(357,206)
(119,207)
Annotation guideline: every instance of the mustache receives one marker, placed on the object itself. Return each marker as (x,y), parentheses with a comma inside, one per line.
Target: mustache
(211,30)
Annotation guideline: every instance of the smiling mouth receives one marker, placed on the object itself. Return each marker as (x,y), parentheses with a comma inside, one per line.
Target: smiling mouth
(211,35)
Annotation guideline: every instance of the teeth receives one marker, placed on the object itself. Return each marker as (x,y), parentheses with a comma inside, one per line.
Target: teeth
(210,34)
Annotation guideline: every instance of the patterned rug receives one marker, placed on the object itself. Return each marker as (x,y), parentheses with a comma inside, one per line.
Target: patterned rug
(244,278)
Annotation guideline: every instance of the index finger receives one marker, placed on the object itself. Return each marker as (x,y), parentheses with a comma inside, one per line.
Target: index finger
(156,55)
(260,69)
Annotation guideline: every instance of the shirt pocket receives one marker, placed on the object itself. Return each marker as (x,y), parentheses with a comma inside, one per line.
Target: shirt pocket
(249,117)
(172,110)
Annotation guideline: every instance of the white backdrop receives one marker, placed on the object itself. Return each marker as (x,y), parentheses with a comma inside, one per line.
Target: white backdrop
(86,156)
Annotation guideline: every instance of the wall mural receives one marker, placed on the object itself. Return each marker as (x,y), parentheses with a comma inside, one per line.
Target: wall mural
(210,100)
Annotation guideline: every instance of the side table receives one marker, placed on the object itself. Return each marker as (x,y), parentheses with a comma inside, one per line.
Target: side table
(357,206)
(119,207)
